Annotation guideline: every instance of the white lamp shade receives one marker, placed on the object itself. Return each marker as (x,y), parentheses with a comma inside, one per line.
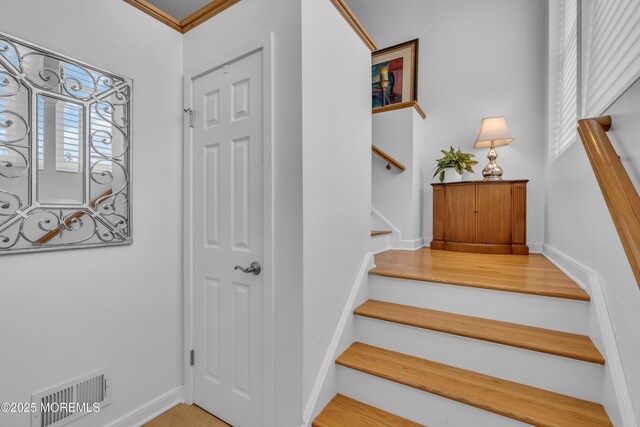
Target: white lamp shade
(493,133)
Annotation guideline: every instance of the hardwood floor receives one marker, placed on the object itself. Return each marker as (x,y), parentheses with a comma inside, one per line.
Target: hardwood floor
(573,346)
(376,233)
(517,401)
(531,274)
(186,416)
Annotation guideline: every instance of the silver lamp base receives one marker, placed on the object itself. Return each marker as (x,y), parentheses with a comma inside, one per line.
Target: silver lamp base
(492,172)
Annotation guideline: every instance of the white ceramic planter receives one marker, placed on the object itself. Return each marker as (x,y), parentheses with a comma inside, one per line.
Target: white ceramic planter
(450,175)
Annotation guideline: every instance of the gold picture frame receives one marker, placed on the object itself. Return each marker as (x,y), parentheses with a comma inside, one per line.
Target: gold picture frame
(394,75)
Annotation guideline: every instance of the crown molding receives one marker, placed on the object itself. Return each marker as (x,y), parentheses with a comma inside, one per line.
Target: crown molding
(190,22)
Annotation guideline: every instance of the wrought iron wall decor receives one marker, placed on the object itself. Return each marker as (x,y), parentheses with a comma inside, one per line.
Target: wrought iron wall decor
(65,151)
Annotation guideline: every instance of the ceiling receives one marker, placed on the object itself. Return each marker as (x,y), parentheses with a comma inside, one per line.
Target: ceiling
(179,9)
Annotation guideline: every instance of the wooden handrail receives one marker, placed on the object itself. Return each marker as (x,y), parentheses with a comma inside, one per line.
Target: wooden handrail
(390,160)
(617,188)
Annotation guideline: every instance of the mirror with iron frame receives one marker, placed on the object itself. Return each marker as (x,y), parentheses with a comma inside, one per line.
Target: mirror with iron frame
(65,151)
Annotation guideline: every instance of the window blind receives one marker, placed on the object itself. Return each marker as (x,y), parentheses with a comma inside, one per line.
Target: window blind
(69,120)
(564,114)
(40,133)
(99,123)
(612,52)
(69,124)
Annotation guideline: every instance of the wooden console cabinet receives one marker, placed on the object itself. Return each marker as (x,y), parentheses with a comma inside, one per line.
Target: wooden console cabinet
(481,216)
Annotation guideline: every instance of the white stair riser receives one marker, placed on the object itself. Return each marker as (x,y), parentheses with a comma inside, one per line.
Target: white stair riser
(415,405)
(561,375)
(380,243)
(545,312)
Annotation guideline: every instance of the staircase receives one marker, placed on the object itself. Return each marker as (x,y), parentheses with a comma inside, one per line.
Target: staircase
(380,240)
(459,339)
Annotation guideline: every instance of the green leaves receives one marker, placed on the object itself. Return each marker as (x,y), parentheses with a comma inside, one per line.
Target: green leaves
(454,159)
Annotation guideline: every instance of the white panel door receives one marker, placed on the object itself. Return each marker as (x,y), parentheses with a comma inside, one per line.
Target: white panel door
(228,232)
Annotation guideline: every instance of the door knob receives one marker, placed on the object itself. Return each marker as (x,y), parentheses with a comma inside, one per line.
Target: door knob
(255,268)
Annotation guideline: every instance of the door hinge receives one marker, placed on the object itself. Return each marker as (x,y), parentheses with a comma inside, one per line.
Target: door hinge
(190,112)
(192,357)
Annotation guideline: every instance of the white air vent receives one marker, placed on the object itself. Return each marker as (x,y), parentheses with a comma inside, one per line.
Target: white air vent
(67,402)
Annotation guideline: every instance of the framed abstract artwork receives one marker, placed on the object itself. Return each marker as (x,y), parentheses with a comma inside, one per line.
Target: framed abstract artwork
(393,74)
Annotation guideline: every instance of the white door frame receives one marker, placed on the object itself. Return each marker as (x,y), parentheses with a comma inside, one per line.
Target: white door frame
(264,43)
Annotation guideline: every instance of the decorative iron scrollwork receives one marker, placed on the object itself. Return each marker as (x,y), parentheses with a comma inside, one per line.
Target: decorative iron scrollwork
(65,138)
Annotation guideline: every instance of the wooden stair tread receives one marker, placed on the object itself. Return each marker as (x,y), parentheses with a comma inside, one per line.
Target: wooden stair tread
(517,401)
(564,344)
(528,274)
(347,412)
(376,233)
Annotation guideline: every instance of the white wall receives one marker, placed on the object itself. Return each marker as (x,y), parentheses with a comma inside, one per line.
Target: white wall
(579,225)
(398,195)
(234,27)
(64,314)
(476,59)
(336,171)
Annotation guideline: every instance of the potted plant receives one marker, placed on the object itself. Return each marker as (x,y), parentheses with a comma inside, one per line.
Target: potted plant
(454,161)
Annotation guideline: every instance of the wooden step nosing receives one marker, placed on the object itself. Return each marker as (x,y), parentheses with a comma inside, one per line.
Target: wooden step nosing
(438,392)
(451,331)
(441,281)
(342,409)
(459,397)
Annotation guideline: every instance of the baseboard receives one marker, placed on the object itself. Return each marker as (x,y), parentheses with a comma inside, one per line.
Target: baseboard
(573,268)
(397,242)
(392,227)
(408,244)
(589,280)
(151,409)
(535,247)
(332,351)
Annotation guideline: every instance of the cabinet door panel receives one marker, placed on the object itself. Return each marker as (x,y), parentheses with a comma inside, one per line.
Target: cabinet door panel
(494,213)
(460,221)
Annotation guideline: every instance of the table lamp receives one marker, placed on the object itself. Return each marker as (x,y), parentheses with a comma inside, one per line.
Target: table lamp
(493,133)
